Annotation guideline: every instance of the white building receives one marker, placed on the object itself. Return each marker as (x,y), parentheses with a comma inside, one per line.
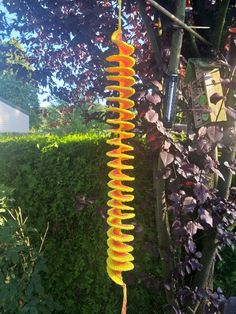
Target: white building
(13,119)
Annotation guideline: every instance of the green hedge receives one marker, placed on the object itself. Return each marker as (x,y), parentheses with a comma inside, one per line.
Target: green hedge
(62,180)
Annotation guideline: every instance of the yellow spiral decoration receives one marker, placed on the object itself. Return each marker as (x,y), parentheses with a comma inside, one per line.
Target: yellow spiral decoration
(119,252)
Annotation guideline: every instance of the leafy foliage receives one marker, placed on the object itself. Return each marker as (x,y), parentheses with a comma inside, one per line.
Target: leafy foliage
(64,119)
(13,59)
(18,93)
(22,267)
(197,211)
(65,185)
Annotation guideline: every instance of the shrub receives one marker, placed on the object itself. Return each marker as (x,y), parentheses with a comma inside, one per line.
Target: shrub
(21,266)
(62,181)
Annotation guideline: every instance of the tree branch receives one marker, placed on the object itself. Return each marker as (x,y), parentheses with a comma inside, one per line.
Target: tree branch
(151,34)
(218,31)
(178,22)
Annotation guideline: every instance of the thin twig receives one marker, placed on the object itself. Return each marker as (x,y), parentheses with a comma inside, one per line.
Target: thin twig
(178,21)
(44,238)
(200,27)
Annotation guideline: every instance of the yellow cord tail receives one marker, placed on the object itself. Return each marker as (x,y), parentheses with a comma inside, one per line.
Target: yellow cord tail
(124,305)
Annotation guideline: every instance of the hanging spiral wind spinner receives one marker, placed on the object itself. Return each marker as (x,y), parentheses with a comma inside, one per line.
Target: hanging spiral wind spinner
(119,252)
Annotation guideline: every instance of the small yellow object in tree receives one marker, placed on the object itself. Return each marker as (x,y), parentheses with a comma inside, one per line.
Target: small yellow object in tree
(120,258)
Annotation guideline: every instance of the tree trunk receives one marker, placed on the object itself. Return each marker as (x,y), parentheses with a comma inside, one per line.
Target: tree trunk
(163,230)
(177,39)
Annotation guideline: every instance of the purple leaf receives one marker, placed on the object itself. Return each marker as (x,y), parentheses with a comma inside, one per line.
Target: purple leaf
(204,145)
(189,169)
(167,173)
(191,246)
(202,131)
(198,254)
(154,99)
(205,216)
(189,203)
(231,112)
(151,116)
(201,192)
(209,163)
(214,133)
(226,163)
(175,197)
(218,173)
(178,230)
(188,269)
(195,265)
(166,145)
(141,94)
(167,158)
(231,166)
(157,84)
(192,227)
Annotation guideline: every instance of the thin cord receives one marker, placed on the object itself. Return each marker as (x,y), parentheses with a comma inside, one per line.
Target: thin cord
(119,16)
(123,311)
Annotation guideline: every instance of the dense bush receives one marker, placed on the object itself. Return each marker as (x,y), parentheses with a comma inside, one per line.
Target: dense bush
(226,272)
(21,265)
(62,181)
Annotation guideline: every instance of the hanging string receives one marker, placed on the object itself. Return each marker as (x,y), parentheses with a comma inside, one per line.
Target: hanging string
(119,15)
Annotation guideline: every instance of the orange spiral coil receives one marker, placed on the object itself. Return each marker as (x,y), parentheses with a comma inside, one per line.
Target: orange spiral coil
(119,252)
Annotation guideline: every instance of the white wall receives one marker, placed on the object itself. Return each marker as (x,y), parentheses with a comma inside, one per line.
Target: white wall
(12,119)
